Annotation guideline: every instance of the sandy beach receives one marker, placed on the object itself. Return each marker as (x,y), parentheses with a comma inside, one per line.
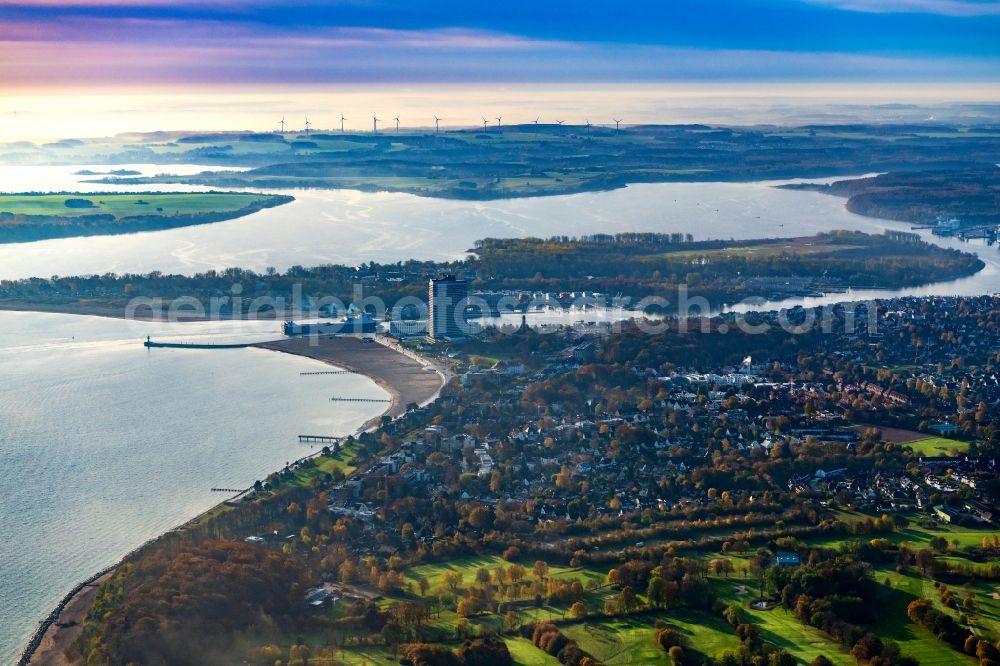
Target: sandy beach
(406,379)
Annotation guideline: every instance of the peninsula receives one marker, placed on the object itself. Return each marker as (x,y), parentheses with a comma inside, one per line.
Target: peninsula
(40,216)
(970,197)
(634,265)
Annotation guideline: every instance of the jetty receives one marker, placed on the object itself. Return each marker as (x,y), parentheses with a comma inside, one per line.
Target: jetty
(328,372)
(318,439)
(149,344)
(360,400)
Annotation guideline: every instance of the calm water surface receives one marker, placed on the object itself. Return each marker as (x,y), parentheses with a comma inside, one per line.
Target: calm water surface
(353,227)
(105,444)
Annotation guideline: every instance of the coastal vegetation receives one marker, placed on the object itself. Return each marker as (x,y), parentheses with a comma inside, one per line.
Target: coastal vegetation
(632,263)
(635,265)
(40,216)
(661,499)
(971,195)
(525,160)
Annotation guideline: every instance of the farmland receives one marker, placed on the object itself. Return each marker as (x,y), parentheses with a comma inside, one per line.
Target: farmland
(33,216)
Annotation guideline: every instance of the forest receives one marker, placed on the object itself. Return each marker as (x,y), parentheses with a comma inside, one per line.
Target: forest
(972,195)
(634,265)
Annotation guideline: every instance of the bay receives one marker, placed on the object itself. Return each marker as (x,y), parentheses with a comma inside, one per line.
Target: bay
(105,444)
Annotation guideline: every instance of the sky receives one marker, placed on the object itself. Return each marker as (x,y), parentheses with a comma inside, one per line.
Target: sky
(100,67)
(45,43)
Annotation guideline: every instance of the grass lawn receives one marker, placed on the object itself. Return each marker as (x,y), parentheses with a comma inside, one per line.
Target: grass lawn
(780,628)
(938,446)
(624,641)
(326,464)
(987,617)
(986,620)
(630,641)
(913,639)
(916,535)
(526,654)
(468,566)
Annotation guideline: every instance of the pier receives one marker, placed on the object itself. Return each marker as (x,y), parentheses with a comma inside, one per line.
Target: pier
(328,372)
(318,439)
(149,344)
(360,400)
(229,490)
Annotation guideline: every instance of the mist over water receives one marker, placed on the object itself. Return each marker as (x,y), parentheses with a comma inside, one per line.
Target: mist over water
(39,114)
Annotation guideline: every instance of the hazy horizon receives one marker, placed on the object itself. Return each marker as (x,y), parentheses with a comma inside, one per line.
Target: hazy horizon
(52,114)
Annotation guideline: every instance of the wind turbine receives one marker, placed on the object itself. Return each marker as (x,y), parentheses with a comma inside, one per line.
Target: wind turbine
(374,125)
(484,123)
(537,118)
(588,126)
(437,125)
(282,123)
(307,124)
(560,122)
(342,119)
(397,124)
(617,123)
(499,118)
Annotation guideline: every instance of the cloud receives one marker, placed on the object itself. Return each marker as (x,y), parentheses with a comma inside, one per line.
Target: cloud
(964,8)
(229,4)
(90,46)
(207,53)
(167,32)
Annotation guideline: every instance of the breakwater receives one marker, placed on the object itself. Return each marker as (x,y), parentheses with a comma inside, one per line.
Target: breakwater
(195,345)
(53,617)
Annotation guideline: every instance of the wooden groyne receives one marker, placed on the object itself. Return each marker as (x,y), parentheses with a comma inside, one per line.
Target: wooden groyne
(229,490)
(328,372)
(360,400)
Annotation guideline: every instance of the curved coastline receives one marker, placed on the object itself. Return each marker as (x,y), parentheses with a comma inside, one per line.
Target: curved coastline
(407,378)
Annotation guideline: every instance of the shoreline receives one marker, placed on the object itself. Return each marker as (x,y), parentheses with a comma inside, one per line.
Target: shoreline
(404,375)
(143,315)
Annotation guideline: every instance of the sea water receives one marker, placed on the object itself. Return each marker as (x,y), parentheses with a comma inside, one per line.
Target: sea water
(105,444)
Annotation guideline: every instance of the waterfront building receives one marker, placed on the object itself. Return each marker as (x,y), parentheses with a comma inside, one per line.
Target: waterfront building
(446,317)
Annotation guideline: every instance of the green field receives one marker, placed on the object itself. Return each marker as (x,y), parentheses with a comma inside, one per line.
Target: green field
(780,628)
(913,639)
(469,565)
(526,654)
(916,535)
(630,641)
(124,205)
(32,217)
(938,446)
